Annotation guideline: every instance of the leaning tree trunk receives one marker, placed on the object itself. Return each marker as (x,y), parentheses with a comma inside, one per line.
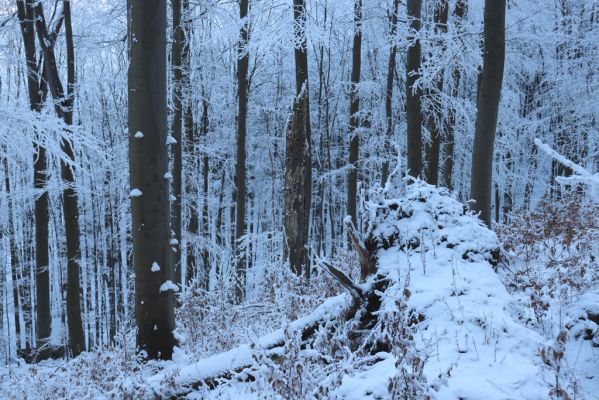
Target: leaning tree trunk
(354,120)
(413,94)
(487,107)
(240,164)
(36,101)
(148,164)
(389,91)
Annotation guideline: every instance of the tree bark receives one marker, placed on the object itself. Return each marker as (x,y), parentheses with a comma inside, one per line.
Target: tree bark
(240,165)
(294,183)
(36,99)
(389,91)
(148,163)
(449,140)
(413,94)
(298,256)
(487,107)
(176,128)
(354,120)
(436,122)
(64,108)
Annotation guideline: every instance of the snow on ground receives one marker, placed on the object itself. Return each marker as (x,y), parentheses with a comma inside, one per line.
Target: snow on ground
(442,263)
(469,334)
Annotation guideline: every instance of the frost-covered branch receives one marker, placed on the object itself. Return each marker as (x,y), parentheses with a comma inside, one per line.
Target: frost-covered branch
(581,174)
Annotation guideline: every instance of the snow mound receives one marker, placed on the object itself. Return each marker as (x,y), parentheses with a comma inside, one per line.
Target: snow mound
(443,255)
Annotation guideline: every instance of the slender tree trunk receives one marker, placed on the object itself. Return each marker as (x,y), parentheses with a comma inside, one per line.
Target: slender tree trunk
(42,279)
(14,257)
(436,122)
(240,165)
(487,107)
(64,108)
(205,176)
(190,142)
(354,120)
(449,140)
(148,163)
(389,91)
(176,128)
(413,94)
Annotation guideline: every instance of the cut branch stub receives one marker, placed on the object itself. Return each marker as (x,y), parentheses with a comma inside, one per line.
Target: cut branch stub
(366,258)
(344,280)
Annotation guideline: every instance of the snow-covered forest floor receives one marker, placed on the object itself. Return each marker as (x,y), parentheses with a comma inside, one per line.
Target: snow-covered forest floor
(462,313)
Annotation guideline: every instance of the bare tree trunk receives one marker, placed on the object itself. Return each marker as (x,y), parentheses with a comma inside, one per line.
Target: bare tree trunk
(14,257)
(487,107)
(190,142)
(205,176)
(413,94)
(389,91)
(298,256)
(449,140)
(36,100)
(240,165)
(176,128)
(354,108)
(154,289)
(64,108)
(435,122)
(294,183)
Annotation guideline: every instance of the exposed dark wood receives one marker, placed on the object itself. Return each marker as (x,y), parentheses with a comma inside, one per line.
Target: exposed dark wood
(294,183)
(366,257)
(344,280)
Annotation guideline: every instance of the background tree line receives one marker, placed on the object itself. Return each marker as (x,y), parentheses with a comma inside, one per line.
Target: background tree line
(270,117)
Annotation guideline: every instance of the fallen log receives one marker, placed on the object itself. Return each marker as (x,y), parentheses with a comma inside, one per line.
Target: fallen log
(176,383)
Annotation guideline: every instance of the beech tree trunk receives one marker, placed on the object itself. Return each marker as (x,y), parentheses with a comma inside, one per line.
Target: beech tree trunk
(354,120)
(69,201)
(240,165)
(176,128)
(190,145)
(413,94)
(489,93)
(64,108)
(148,164)
(448,143)
(36,99)
(389,91)
(436,122)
